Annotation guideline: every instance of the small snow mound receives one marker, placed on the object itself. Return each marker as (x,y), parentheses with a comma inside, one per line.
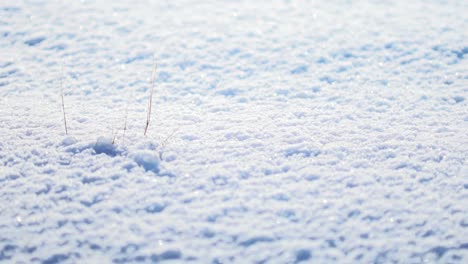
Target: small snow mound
(155,208)
(458,99)
(147,160)
(171,254)
(302,255)
(68,141)
(105,145)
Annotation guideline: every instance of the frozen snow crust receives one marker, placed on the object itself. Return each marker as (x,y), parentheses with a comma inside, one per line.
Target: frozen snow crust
(282,132)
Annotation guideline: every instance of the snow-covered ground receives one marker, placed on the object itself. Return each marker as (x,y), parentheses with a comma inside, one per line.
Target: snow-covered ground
(282,131)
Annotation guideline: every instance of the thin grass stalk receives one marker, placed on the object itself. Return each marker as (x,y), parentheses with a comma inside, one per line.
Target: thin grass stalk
(63,103)
(150,103)
(125,123)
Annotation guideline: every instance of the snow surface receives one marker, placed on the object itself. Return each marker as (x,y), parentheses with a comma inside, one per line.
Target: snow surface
(282,131)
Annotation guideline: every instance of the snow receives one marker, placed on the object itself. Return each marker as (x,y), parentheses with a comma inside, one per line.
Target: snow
(281,132)
(105,145)
(148,160)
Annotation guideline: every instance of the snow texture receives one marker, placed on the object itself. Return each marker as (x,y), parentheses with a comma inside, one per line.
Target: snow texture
(282,131)
(106,146)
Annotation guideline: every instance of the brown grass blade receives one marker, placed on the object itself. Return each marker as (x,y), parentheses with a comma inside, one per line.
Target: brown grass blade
(150,103)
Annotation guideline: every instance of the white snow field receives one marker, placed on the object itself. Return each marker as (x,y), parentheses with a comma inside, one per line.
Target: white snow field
(281,132)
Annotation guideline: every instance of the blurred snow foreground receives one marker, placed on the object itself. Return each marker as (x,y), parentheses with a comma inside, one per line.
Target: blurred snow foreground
(282,132)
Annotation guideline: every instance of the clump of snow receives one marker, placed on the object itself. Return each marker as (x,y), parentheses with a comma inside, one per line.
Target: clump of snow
(147,160)
(105,145)
(68,141)
(302,255)
(155,208)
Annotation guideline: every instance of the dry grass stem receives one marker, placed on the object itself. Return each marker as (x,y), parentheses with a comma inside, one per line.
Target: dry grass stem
(150,103)
(63,103)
